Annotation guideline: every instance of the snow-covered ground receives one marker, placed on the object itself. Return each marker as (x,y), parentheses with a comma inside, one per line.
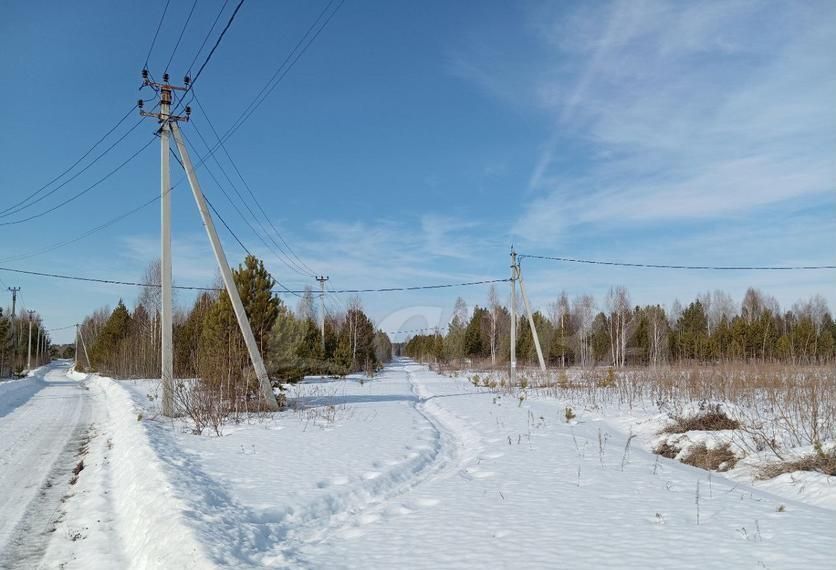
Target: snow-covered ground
(42,419)
(409,470)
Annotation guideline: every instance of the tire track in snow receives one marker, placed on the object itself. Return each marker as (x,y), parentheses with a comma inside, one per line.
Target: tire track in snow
(238,535)
(40,440)
(456,445)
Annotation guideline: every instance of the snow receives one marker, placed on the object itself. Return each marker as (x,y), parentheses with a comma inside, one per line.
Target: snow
(413,469)
(409,469)
(39,416)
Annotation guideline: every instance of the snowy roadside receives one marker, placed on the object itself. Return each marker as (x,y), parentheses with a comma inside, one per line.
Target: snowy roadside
(809,487)
(122,512)
(421,470)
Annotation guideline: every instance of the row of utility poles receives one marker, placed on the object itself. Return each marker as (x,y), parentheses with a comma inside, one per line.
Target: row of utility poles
(41,343)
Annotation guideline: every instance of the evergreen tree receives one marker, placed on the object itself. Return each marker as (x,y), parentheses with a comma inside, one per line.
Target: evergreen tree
(107,348)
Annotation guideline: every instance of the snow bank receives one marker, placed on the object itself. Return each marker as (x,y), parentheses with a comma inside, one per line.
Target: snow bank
(149,516)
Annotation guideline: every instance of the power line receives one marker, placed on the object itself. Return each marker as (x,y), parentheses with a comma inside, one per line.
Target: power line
(229,229)
(206,37)
(60,328)
(697,267)
(291,255)
(226,194)
(195,288)
(180,37)
(85,234)
(286,260)
(156,33)
(82,192)
(280,74)
(21,205)
(214,47)
(422,329)
(287,64)
(419,287)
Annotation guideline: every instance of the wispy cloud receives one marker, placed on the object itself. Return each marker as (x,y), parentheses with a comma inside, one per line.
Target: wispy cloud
(684,111)
(677,124)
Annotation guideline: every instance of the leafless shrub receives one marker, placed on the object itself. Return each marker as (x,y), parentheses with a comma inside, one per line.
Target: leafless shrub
(820,461)
(201,404)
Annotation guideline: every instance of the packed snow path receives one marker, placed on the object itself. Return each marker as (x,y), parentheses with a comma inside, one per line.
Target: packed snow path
(413,469)
(43,419)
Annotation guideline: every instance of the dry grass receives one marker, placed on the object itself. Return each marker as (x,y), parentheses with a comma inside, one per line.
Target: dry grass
(720,458)
(820,461)
(767,407)
(665,449)
(713,418)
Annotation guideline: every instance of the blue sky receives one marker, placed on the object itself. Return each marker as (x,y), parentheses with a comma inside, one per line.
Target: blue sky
(414,142)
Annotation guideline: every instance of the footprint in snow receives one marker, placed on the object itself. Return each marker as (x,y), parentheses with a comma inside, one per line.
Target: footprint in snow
(481,474)
(352,533)
(398,510)
(426,502)
(369,519)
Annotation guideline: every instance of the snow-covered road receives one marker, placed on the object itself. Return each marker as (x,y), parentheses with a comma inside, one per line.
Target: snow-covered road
(42,418)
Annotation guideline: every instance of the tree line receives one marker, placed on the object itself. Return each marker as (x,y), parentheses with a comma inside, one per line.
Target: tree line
(209,346)
(15,339)
(710,329)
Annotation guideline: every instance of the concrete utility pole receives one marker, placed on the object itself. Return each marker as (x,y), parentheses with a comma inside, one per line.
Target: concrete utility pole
(75,354)
(84,346)
(38,348)
(166,309)
(14,291)
(513,316)
(322,280)
(531,320)
(29,344)
(168,124)
(226,274)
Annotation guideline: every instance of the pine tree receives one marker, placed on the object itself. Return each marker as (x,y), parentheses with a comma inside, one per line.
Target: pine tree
(107,349)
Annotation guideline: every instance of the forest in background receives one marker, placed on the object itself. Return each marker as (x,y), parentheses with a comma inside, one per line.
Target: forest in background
(15,339)
(208,344)
(710,329)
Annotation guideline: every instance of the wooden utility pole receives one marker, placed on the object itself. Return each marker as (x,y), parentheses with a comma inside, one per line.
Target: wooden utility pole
(322,280)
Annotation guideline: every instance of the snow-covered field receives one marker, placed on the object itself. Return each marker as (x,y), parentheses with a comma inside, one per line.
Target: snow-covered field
(410,470)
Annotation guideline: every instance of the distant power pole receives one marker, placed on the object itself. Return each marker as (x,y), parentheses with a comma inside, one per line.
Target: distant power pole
(29,344)
(322,280)
(38,349)
(513,377)
(14,291)
(534,334)
(75,354)
(168,125)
